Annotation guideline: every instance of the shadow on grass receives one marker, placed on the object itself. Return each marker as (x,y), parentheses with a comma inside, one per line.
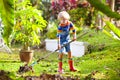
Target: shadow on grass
(7,61)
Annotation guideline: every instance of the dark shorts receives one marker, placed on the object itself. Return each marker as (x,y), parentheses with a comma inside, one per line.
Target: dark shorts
(67,47)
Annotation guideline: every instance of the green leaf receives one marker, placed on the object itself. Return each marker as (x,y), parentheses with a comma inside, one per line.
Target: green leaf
(113,28)
(104,8)
(7,15)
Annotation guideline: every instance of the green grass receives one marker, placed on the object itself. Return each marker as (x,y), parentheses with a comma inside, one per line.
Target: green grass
(99,64)
(99,40)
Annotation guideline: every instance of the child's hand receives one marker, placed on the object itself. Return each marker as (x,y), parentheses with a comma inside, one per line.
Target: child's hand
(74,39)
(59,47)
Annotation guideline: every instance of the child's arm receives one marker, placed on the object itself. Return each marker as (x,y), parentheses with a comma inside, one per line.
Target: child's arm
(58,37)
(74,34)
(58,42)
(73,31)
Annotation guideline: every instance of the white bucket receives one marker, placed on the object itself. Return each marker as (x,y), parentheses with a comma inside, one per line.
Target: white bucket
(78,49)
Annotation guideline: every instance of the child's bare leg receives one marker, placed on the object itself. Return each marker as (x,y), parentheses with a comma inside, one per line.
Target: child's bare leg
(60,55)
(69,55)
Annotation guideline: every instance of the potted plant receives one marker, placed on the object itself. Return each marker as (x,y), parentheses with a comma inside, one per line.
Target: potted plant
(29,23)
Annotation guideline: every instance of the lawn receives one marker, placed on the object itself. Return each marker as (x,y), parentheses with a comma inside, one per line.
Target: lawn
(98,63)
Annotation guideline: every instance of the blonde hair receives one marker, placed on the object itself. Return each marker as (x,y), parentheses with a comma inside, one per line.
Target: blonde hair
(63,14)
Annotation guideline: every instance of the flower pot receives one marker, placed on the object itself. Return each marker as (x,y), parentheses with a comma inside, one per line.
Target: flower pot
(26,56)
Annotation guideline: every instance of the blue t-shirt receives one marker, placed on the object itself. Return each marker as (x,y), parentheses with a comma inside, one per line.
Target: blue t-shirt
(64,30)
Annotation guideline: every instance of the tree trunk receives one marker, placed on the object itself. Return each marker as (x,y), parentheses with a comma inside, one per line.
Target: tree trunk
(112,6)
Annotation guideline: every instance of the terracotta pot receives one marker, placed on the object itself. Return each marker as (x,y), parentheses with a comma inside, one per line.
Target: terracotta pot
(26,55)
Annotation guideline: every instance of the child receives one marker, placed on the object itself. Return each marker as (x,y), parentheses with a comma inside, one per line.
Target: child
(63,36)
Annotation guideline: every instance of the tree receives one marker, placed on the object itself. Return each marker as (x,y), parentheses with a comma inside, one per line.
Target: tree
(60,5)
(28,23)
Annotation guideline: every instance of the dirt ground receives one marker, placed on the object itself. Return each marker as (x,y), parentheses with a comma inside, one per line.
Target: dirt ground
(4,75)
(45,76)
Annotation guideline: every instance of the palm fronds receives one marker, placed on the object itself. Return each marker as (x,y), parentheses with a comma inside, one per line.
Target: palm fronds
(113,28)
(104,8)
(7,15)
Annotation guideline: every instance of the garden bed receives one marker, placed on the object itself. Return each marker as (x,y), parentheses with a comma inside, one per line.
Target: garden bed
(45,76)
(4,75)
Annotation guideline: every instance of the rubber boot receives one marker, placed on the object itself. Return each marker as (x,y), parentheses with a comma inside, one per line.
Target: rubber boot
(60,70)
(71,66)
